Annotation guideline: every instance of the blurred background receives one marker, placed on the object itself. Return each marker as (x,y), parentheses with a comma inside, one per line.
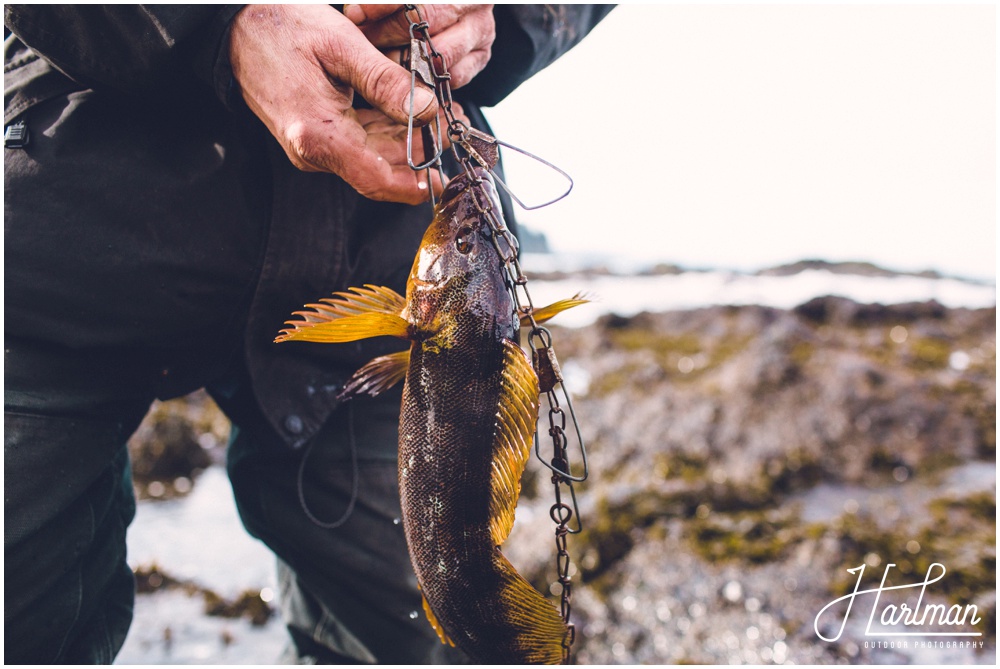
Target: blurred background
(787,217)
(746,136)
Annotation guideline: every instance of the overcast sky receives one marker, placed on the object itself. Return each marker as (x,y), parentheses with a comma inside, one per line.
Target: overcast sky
(745,136)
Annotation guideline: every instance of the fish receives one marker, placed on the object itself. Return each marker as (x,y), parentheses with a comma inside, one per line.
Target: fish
(467,420)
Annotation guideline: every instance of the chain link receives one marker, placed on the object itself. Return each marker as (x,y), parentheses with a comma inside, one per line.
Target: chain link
(480,148)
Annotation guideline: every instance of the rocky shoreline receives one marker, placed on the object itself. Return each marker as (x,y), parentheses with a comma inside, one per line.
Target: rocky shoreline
(744,458)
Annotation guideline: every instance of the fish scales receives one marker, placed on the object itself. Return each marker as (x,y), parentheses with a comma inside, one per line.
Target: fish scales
(445,492)
(470,403)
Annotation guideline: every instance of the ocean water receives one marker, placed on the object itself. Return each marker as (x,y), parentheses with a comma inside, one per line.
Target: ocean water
(626,294)
(199,538)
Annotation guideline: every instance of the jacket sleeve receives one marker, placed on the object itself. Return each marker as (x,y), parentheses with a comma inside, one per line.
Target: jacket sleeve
(528,39)
(130,48)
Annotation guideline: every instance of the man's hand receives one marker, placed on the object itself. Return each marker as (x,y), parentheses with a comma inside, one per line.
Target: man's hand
(298,68)
(463,34)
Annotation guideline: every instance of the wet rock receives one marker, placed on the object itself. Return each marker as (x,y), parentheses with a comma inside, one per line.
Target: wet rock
(842,311)
(248,604)
(706,429)
(175,442)
(151,578)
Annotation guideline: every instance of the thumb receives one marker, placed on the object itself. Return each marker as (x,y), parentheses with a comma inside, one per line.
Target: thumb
(380,81)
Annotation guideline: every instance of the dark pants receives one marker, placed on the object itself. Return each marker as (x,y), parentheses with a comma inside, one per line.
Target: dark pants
(347,593)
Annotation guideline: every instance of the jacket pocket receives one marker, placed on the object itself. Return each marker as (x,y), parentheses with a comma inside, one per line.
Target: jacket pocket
(28,80)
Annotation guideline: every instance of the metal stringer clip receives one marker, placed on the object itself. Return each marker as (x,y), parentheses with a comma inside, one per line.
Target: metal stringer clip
(479,144)
(420,64)
(422,61)
(550,381)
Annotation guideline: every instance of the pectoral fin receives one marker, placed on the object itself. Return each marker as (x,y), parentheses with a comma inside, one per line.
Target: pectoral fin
(516,416)
(378,375)
(542,314)
(360,313)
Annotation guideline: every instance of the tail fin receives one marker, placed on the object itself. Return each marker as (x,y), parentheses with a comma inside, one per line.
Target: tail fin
(541,629)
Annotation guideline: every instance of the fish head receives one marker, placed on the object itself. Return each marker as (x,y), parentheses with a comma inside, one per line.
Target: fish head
(459,237)
(458,267)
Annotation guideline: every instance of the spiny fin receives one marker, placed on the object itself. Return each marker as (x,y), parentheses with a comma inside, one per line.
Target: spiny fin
(346,328)
(371,311)
(435,624)
(358,300)
(517,413)
(543,314)
(539,627)
(377,375)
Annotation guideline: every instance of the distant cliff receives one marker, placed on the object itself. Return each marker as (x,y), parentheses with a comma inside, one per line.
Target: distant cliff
(532,241)
(858,268)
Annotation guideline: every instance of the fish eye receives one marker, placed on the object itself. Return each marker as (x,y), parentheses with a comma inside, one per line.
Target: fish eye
(464,240)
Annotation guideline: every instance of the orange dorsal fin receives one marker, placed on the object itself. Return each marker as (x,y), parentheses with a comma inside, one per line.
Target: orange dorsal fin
(358,313)
(517,412)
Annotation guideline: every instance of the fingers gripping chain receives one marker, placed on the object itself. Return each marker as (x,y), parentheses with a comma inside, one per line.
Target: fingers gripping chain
(467,144)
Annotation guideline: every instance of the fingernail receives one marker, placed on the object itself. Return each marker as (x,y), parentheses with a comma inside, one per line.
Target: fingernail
(355,14)
(422,100)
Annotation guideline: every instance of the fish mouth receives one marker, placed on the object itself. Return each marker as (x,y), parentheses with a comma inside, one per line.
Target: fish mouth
(463,182)
(426,283)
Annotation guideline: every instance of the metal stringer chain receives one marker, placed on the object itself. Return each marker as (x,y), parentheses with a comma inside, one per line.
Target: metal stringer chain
(469,147)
